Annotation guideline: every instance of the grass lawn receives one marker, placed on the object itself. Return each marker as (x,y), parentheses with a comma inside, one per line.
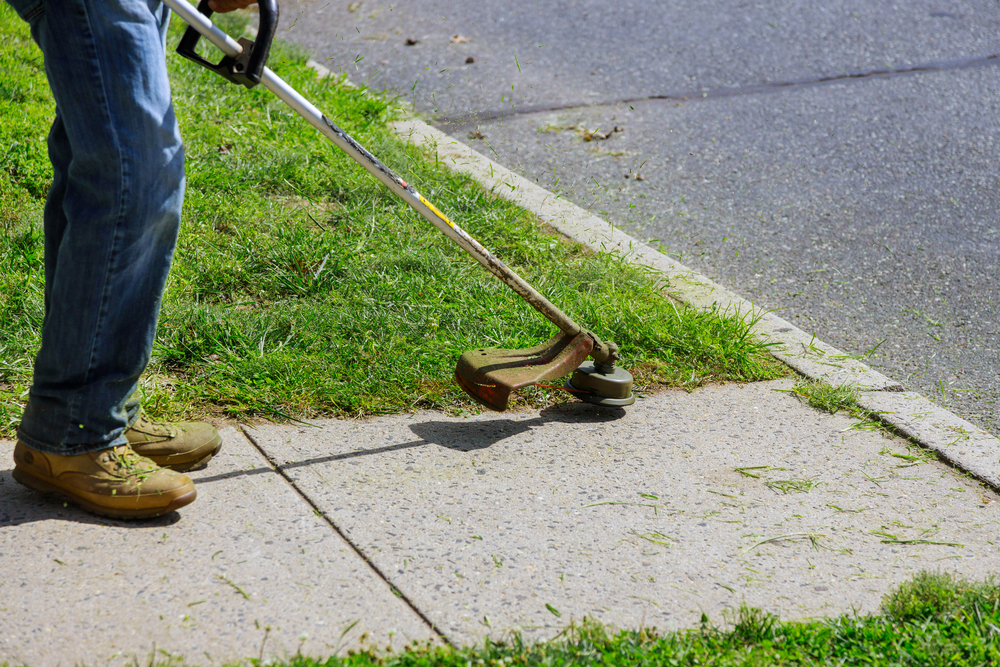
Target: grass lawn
(302,288)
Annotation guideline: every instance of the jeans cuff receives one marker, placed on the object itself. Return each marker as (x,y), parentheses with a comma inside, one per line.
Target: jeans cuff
(75,450)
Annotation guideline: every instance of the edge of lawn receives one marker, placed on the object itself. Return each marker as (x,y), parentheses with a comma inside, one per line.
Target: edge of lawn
(278,224)
(932,620)
(882,399)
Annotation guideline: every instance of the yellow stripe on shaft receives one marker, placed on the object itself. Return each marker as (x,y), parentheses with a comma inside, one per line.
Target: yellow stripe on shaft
(436,212)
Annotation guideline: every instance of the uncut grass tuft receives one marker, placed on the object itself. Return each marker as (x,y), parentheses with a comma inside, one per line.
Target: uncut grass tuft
(935,595)
(302,288)
(826,397)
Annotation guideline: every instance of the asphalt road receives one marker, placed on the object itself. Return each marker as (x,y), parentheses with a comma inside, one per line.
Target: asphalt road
(837,161)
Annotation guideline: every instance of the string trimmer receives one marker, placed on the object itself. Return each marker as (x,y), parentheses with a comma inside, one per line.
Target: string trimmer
(489,375)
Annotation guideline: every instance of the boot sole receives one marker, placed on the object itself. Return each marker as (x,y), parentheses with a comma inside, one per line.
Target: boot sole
(50,489)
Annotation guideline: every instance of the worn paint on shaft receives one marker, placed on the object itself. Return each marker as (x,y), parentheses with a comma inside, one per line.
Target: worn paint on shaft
(492,263)
(363,152)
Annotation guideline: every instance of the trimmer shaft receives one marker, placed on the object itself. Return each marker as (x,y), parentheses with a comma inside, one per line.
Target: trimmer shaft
(488,375)
(602,384)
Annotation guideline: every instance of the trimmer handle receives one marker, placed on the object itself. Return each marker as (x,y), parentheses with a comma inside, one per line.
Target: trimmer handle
(248,67)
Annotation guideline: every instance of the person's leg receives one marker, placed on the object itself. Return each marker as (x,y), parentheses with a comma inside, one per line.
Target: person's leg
(111,223)
(181,446)
(111,220)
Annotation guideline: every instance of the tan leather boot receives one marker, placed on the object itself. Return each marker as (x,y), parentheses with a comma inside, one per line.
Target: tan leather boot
(116,482)
(183,446)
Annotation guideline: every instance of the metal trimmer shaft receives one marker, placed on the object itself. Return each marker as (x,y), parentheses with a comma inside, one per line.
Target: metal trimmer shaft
(233,49)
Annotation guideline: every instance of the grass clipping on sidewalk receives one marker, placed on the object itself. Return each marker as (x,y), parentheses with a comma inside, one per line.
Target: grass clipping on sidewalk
(301,287)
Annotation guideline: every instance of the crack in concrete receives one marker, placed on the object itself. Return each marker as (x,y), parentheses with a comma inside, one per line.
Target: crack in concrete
(315,508)
(452,123)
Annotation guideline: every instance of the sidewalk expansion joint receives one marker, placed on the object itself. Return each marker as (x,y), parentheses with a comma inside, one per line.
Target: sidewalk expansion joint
(457,123)
(316,510)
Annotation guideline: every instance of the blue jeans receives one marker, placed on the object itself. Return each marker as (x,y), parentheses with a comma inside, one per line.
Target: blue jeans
(111,217)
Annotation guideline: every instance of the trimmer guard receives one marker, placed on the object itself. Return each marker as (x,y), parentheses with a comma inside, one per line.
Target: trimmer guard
(489,375)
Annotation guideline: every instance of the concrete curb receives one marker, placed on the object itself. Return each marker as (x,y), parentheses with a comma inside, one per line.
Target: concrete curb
(958,441)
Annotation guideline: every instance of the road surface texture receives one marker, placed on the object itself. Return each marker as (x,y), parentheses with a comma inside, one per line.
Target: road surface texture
(837,162)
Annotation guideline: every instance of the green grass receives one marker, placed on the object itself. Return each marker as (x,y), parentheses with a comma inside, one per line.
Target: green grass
(301,287)
(828,398)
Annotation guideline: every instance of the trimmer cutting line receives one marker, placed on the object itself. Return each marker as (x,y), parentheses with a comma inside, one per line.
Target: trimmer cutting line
(489,375)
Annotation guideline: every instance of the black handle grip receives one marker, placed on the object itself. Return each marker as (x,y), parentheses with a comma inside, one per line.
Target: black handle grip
(248,67)
(266,28)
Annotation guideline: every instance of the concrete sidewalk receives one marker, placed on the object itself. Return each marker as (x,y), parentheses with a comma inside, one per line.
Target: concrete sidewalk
(429,527)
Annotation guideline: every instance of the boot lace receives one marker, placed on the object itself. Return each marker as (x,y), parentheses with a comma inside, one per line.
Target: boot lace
(129,464)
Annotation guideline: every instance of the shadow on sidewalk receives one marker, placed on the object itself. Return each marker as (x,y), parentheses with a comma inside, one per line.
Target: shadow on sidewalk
(19,505)
(469,436)
(461,436)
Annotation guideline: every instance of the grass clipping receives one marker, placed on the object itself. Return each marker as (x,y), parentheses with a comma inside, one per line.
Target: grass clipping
(301,287)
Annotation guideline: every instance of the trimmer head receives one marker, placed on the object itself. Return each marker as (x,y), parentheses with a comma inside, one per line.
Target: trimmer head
(489,375)
(602,384)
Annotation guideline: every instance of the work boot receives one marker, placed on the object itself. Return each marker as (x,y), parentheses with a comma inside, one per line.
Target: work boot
(180,447)
(115,482)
